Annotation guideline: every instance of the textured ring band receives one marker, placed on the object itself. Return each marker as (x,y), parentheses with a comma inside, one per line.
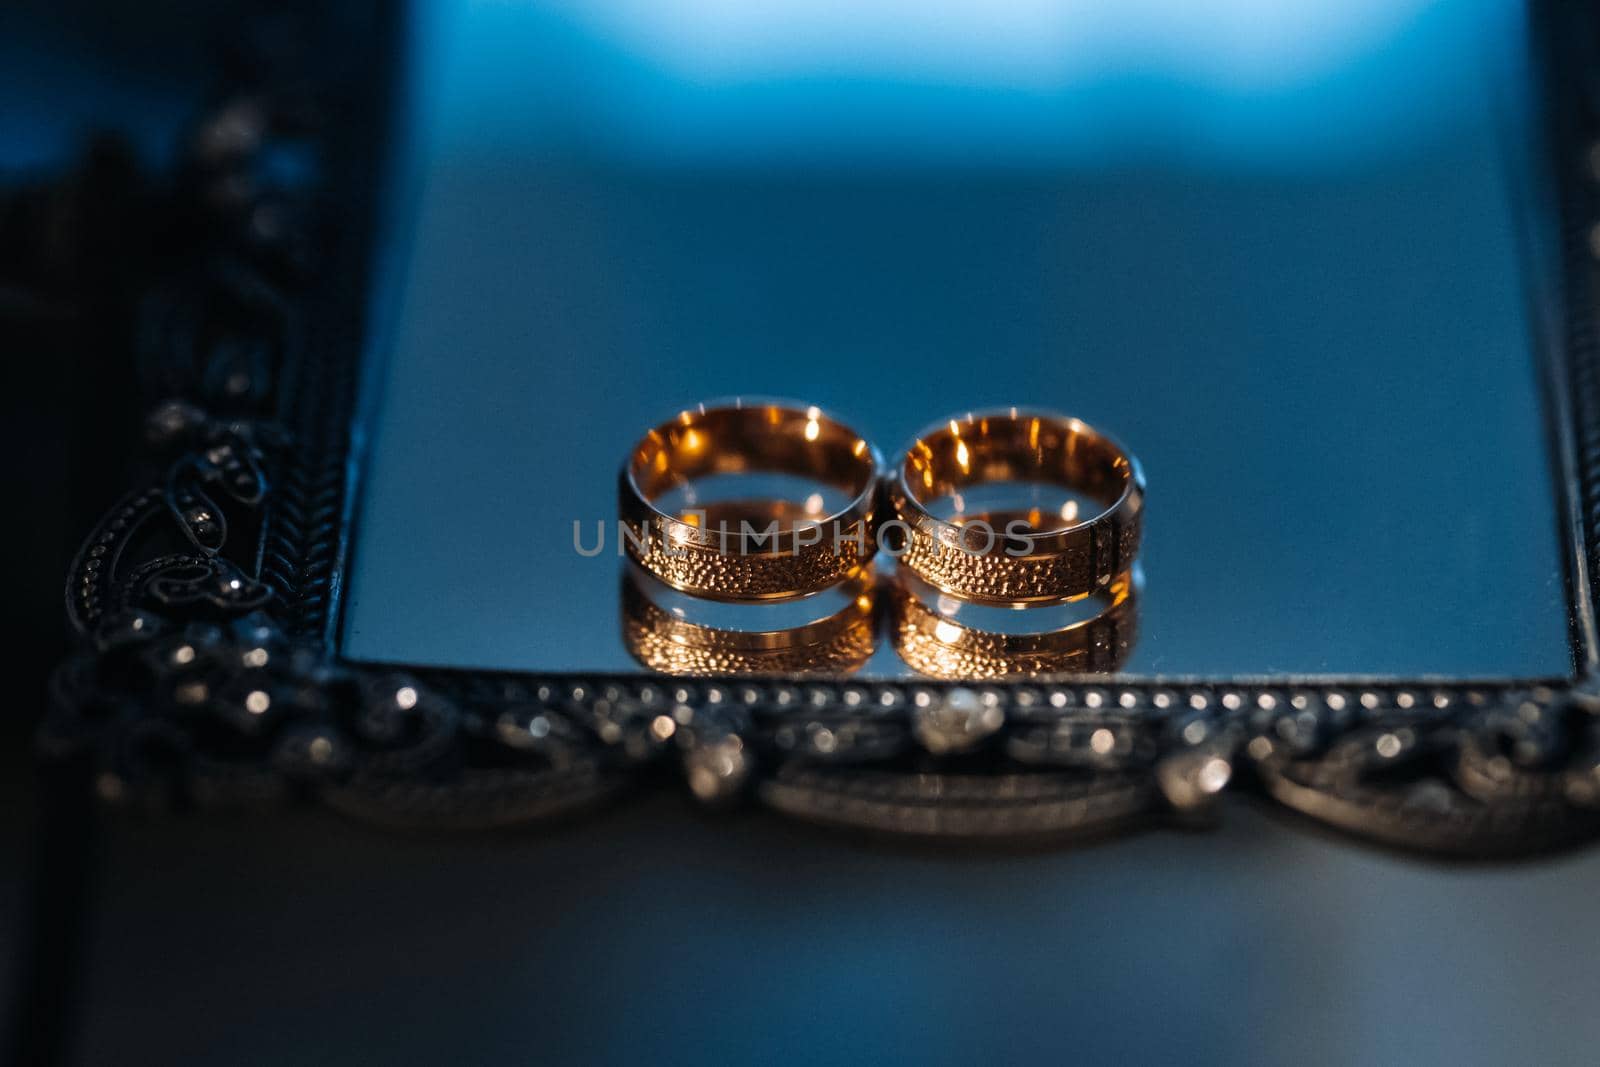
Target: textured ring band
(1046,560)
(716,552)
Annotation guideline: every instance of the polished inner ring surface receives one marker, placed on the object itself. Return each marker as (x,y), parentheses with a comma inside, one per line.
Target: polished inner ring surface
(1057,559)
(662,640)
(942,646)
(763,550)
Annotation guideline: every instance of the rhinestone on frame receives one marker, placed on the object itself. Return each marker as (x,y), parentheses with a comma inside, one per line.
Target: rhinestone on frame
(717,770)
(956,723)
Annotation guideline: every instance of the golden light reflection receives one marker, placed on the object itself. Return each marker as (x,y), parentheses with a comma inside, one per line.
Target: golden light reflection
(667,638)
(928,632)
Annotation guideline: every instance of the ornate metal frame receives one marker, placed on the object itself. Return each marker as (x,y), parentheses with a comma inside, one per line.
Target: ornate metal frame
(207,601)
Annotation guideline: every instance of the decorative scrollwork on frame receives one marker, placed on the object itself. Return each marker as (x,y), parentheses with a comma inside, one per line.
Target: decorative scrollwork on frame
(1516,776)
(200,713)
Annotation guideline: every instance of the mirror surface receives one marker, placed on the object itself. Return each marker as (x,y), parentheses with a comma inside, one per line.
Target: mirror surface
(1277,250)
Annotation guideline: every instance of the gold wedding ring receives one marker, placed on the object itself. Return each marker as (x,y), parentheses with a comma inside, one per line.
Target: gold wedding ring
(1018,556)
(933,639)
(751,550)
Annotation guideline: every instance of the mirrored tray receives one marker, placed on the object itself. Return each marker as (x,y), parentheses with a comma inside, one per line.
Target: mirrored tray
(1352,347)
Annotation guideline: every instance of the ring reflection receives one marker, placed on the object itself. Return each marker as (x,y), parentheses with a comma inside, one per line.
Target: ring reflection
(942,637)
(831,633)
